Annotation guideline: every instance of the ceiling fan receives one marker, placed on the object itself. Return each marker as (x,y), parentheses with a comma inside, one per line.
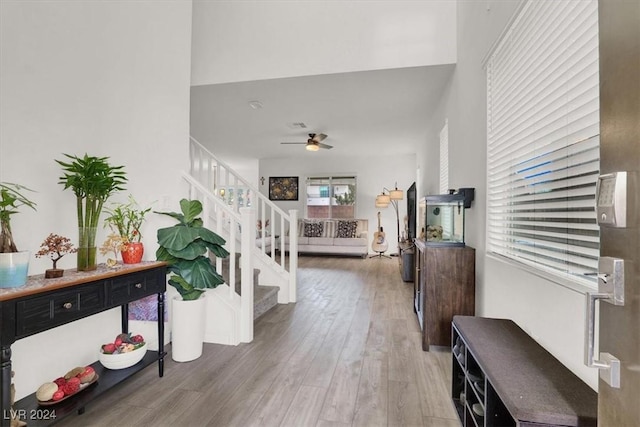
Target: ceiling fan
(314,142)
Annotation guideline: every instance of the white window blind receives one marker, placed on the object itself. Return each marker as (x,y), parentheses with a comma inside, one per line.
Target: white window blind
(543,139)
(444,158)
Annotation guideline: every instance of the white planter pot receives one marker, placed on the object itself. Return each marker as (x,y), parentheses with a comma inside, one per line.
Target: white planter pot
(188,320)
(14,267)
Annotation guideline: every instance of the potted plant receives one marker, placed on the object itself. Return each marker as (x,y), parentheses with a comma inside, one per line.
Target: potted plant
(55,247)
(185,247)
(126,219)
(93,180)
(14,264)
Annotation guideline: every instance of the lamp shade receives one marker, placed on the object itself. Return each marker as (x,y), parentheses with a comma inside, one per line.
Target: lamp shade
(383,199)
(382,205)
(396,194)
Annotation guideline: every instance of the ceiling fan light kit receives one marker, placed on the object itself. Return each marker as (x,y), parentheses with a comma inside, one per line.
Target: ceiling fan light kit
(312,146)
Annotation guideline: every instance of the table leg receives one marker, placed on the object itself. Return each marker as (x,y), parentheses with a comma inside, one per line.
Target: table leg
(125,318)
(161,334)
(5,373)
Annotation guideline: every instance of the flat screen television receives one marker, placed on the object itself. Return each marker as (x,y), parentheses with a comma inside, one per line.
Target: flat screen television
(411,212)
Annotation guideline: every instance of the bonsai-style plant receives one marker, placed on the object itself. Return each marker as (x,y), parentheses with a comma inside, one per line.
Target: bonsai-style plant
(126,219)
(11,198)
(185,247)
(55,247)
(114,244)
(93,180)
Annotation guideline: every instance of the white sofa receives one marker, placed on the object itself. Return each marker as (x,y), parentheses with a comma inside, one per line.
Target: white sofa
(331,239)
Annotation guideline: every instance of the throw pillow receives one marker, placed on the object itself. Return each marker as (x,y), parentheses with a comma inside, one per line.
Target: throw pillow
(347,229)
(313,229)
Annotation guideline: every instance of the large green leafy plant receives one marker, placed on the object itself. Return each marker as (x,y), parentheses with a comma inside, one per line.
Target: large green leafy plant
(93,180)
(11,198)
(184,247)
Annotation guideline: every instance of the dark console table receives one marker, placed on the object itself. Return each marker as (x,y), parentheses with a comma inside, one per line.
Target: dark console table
(44,304)
(502,377)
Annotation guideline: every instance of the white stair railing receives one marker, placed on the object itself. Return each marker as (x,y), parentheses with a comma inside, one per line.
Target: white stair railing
(220,218)
(230,189)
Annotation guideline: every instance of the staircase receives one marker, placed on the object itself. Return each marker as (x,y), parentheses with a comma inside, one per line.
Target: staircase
(264,297)
(259,274)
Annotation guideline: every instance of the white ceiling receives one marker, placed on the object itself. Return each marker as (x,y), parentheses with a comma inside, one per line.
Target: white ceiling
(382,112)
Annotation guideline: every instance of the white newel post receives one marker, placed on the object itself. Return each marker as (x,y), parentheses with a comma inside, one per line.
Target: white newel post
(248,237)
(293,255)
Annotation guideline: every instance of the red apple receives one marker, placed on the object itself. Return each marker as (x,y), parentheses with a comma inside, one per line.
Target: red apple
(87,376)
(58,394)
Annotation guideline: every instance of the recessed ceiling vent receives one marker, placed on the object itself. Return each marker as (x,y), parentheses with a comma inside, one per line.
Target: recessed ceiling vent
(297,125)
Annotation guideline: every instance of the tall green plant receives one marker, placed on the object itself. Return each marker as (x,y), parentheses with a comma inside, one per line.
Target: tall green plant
(93,180)
(184,247)
(11,198)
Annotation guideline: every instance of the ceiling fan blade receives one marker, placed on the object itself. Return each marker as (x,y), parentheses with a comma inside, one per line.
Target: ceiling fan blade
(318,137)
(293,143)
(327,146)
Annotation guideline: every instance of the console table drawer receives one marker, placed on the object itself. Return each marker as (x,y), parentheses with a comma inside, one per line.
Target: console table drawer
(136,286)
(41,313)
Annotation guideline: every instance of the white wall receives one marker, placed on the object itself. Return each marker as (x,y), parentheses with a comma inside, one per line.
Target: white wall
(552,314)
(255,40)
(108,78)
(372,172)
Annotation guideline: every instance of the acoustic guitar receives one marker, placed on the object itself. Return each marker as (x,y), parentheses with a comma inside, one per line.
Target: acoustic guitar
(379,243)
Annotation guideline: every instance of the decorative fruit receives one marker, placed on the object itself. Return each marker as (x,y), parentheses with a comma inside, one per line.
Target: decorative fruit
(74,372)
(88,375)
(72,386)
(45,391)
(123,343)
(124,338)
(109,348)
(59,394)
(60,381)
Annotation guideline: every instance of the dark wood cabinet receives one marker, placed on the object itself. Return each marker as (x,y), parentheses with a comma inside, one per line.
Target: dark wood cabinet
(44,304)
(444,286)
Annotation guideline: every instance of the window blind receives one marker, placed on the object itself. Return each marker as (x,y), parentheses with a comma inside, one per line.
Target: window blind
(543,139)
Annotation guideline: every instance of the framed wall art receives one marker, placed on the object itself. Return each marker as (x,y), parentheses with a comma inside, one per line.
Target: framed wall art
(283,188)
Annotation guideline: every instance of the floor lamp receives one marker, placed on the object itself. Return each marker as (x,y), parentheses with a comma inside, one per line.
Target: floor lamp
(391,198)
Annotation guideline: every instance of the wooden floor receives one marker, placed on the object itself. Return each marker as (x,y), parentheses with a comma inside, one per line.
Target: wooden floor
(346,354)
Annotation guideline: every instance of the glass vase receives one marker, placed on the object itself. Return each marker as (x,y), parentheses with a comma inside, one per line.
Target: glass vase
(87,248)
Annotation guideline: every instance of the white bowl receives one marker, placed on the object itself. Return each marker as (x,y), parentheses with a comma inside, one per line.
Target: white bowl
(122,360)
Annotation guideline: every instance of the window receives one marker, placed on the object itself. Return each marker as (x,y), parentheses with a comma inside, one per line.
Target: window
(543,139)
(444,158)
(331,197)
(444,179)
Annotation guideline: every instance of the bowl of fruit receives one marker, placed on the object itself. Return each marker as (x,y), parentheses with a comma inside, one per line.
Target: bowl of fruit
(125,351)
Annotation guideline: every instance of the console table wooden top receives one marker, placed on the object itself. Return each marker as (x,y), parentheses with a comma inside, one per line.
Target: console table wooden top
(38,284)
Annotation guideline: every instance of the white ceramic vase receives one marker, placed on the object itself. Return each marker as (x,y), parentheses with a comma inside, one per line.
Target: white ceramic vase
(187,328)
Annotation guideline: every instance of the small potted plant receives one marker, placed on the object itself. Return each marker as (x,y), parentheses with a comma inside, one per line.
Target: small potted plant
(93,180)
(126,219)
(184,247)
(55,247)
(14,264)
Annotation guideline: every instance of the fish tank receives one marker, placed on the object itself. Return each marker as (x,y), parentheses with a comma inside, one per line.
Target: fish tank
(442,218)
